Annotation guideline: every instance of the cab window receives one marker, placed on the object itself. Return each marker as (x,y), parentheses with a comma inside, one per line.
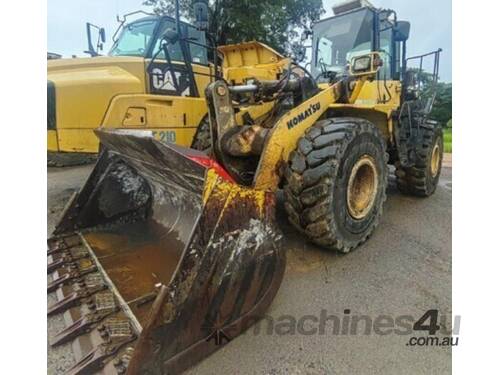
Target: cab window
(134,39)
(385,71)
(198,53)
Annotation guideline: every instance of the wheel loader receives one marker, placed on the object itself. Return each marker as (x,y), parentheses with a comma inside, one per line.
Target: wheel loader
(147,81)
(166,254)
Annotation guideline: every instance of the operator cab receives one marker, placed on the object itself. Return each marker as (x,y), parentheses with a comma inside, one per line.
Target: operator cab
(358,28)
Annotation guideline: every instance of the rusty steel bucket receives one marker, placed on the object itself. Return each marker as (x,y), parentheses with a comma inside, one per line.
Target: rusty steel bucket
(160,259)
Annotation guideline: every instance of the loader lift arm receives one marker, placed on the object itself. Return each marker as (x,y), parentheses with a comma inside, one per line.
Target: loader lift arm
(272,146)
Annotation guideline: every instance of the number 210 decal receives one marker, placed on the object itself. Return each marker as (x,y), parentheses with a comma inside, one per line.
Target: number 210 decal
(165,136)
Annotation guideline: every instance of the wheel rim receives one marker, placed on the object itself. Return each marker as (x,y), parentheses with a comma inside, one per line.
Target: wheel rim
(362,187)
(435,159)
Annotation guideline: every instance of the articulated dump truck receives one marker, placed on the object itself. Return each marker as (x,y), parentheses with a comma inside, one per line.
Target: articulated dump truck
(160,259)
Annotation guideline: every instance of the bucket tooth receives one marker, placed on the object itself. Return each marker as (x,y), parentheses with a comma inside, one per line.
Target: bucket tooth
(55,264)
(74,271)
(74,299)
(101,307)
(116,333)
(79,327)
(59,244)
(67,256)
(178,245)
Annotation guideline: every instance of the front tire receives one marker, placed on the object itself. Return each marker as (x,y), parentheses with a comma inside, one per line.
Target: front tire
(335,182)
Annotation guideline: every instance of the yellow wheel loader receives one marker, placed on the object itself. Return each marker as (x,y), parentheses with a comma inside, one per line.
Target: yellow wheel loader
(167,253)
(147,81)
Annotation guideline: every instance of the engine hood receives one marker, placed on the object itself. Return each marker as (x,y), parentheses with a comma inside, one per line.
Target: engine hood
(125,62)
(84,87)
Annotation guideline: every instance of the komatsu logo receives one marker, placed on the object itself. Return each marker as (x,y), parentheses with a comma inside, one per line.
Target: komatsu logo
(313,108)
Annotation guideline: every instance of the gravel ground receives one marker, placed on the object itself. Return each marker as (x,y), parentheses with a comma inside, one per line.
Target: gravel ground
(404,269)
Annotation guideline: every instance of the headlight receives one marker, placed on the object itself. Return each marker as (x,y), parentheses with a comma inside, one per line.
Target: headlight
(361,64)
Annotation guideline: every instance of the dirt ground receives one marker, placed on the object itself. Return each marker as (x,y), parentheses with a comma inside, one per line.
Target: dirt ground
(404,269)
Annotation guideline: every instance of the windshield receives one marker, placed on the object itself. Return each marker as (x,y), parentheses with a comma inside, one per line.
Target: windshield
(341,38)
(134,39)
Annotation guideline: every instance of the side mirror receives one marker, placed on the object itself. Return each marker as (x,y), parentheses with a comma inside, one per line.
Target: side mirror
(102,34)
(200,9)
(171,36)
(402,31)
(90,47)
(100,40)
(365,65)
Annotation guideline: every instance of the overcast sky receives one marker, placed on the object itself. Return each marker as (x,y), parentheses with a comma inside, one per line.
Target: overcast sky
(430,24)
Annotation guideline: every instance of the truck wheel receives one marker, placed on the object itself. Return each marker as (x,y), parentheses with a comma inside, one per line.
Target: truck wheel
(335,182)
(422,179)
(202,140)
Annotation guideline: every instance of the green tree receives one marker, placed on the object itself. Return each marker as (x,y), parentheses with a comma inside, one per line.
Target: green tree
(441,111)
(442,108)
(275,22)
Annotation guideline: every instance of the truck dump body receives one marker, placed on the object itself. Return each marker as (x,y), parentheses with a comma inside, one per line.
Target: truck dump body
(158,257)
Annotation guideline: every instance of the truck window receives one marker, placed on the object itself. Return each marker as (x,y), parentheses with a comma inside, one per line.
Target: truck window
(134,39)
(198,53)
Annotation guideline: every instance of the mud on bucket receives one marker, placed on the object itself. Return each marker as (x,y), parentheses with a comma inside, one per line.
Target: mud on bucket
(185,253)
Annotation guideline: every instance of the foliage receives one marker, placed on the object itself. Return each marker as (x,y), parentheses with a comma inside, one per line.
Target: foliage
(447,140)
(277,23)
(442,108)
(441,111)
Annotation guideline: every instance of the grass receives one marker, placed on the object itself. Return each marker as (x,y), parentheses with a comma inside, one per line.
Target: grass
(447,139)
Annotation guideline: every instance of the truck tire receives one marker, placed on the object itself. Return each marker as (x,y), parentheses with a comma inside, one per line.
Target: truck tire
(202,140)
(335,182)
(422,179)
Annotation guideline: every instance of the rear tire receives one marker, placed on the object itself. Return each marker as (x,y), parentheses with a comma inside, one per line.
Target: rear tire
(202,139)
(335,182)
(422,179)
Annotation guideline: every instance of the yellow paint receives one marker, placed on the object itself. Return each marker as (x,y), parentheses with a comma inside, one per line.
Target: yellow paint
(375,102)
(228,191)
(251,60)
(161,111)
(282,139)
(84,87)
(372,100)
(382,97)
(113,92)
(135,116)
(211,180)
(87,140)
(52,141)
(358,87)
(249,54)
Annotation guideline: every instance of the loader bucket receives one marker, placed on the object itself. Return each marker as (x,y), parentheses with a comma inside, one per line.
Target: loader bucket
(160,259)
